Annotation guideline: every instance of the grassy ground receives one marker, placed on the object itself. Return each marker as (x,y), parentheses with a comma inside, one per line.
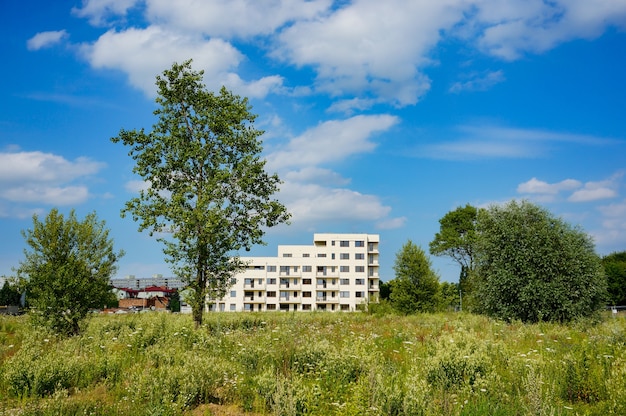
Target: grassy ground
(313,363)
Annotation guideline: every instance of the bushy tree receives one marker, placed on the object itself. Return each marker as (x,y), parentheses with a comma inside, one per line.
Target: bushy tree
(457,239)
(535,267)
(615,269)
(67,268)
(416,286)
(206,182)
(10,294)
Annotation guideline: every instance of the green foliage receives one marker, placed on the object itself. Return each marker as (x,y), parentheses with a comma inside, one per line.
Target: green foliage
(535,267)
(416,286)
(450,299)
(10,294)
(313,363)
(207,181)
(457,236)
(67,270)
(615,269)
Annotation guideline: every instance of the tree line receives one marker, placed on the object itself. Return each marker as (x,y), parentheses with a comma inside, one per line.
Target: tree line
(207,195)
(517,262)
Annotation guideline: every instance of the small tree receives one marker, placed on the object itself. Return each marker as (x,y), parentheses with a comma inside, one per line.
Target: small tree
(535,267)
(207,183)
(416,286)
(450,298)
(615,269)
(457,239)
(10,294)
(67,270)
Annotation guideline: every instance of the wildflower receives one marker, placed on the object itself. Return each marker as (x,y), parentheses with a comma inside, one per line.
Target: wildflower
(46,340)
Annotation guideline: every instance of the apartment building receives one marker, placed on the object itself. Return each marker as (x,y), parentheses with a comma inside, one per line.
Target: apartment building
(337,272)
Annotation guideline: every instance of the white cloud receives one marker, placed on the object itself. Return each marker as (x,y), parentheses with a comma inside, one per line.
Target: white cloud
(478,82)
(46,39)
(309,203)
(37,177)
(98,11)
(371,46)
(331,141)
(488,141)
(144,53)
(594,191)
(612,235)
(363,51)
(535,186)
(233,18)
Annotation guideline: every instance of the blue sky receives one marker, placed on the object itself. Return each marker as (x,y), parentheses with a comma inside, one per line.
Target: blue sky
(379,116)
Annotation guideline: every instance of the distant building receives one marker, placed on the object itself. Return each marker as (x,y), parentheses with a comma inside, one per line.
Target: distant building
(151,297)
(338,272)
(133,282)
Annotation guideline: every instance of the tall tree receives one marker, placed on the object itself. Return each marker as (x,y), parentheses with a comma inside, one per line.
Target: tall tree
(615,269)
(535,267)
(67,269)
(416,286)
(457,239)
(206,182)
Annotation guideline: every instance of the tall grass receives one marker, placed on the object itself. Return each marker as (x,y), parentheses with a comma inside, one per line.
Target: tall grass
(314,363)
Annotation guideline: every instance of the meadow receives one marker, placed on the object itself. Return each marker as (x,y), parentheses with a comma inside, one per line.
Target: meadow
(313,363)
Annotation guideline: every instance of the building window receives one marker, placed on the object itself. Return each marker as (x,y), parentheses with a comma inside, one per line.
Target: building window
(247,282)
(306,281)
(271,294)
(332,256)
(271,306)
(321,254)
(344,256)
(360,281)
(271,281)
(305,255)
(233,281)
(271,268)
(359,269)
(286,254)
(359,294)
(344,294)
(359,243)
(233,307)
(344,281)
(233,293)
(306,307)
(259,281)
(344,269)
(332,243)
(345,307)
(246,307)
(307,269)
(344,243)
(306,294)
(295,269)
(359,256)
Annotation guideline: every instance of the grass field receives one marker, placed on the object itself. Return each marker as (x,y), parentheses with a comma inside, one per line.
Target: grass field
(313,363)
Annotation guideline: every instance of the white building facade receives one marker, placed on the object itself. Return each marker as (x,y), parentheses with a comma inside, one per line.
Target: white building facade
(338,272)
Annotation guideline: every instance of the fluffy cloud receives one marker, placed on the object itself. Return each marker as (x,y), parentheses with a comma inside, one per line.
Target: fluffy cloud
(331,141)
(362,51)
(46,39)
(38,177)
(535,186)
(593,191)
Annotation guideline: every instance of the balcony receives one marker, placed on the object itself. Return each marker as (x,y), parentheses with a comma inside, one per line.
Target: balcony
(254,299)
(326,300)
(289,299)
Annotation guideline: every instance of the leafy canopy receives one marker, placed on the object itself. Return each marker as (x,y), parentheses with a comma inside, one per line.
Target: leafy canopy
(67,268)
(457,236)
(534,267)
(206,183)
(615,268)
(416,286)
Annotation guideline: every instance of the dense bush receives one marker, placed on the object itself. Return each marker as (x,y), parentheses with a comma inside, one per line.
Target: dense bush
(535,267)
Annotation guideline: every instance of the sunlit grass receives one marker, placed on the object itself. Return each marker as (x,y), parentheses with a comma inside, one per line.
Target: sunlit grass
(314,363)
